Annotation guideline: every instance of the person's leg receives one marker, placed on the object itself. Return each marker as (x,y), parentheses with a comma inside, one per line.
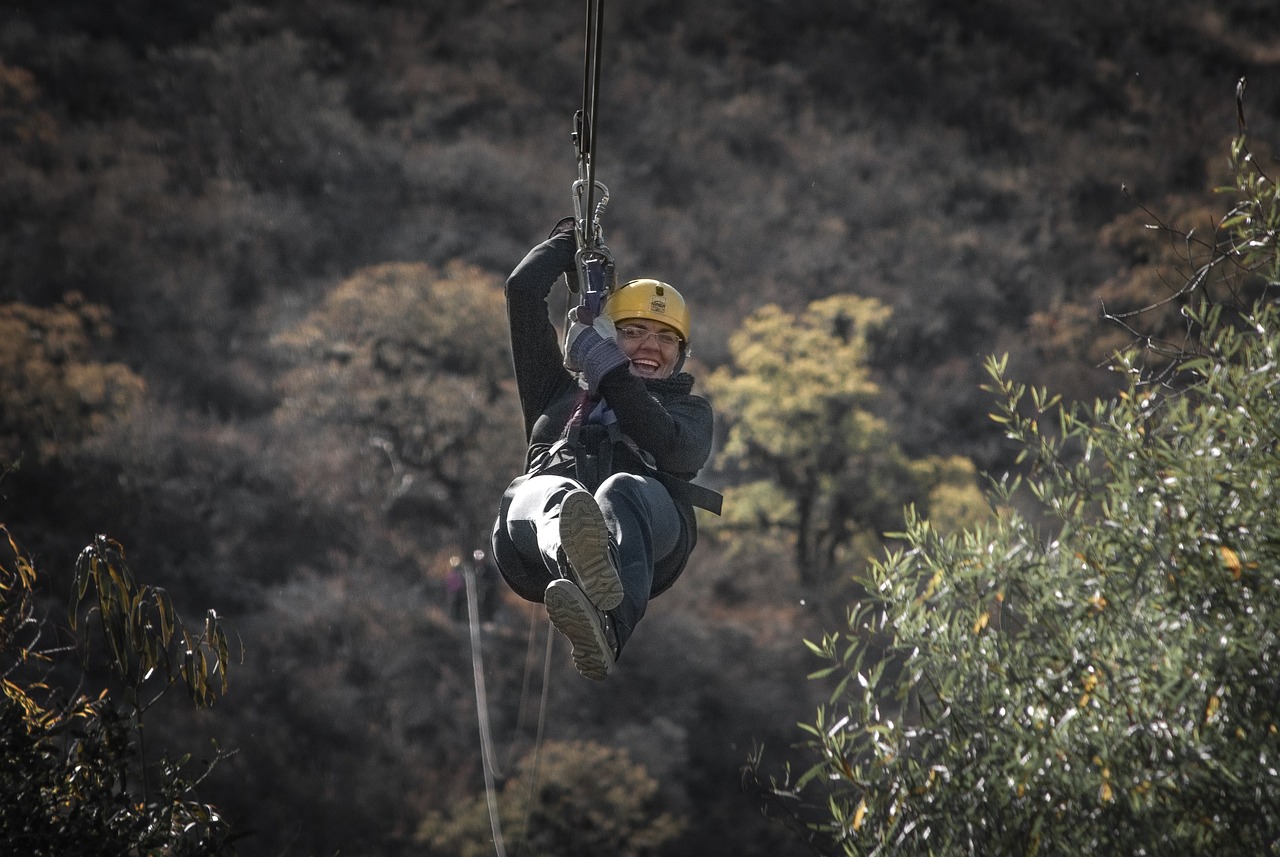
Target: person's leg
(532,522)
(551,519)
(645,526)
(586,627)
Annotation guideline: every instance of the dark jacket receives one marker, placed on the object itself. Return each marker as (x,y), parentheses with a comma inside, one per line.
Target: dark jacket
(661,417)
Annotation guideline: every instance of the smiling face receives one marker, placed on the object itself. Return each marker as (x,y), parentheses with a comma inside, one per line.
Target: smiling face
(641,340)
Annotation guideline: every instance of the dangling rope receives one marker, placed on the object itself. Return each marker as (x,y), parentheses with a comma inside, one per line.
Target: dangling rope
(488,756)
(524,690)
(537,741)
(482,713)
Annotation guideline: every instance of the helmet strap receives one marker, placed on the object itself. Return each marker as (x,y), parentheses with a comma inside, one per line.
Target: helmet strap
(684,352)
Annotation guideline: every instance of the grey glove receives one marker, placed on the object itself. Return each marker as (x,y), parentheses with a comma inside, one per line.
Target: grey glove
(602,325)
(592,351)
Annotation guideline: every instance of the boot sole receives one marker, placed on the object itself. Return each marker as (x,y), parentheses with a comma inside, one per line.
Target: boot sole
(572,615)
(585,540)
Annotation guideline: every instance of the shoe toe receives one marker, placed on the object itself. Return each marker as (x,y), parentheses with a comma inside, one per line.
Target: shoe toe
(573,616)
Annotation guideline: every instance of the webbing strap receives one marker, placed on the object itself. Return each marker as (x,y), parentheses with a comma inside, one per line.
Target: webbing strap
(585,122)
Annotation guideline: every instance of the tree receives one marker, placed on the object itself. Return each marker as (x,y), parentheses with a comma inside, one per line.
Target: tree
(817,463)
(409,368)
(589,800)
(1101,680)
(75,774)
(54,391)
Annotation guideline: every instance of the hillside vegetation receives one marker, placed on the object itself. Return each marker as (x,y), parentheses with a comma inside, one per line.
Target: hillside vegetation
(251,264)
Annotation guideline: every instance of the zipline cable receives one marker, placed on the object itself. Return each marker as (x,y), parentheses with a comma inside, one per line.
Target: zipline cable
(593,261)
(584,136)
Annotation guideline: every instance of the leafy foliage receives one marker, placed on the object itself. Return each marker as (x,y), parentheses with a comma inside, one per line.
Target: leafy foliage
(21,120)
(145,637)
(1184,251)
(411,365)
(74,775)
(588,800)
(54,391)
(819,464)
(1102,681)
(210,173)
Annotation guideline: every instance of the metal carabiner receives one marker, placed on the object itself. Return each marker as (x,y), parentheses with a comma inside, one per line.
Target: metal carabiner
(597,275)
(590,234)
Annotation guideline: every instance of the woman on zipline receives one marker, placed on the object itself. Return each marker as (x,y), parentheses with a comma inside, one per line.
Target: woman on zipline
(602,519)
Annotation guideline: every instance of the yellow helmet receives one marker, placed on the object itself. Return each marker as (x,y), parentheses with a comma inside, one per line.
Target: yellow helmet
(649,299)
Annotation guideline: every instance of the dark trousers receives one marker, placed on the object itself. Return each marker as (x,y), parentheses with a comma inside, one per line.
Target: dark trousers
(641,518)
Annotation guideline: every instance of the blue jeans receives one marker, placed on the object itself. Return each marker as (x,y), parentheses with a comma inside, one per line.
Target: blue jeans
(640,516)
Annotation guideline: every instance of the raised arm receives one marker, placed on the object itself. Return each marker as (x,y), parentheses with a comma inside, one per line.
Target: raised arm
(535,348)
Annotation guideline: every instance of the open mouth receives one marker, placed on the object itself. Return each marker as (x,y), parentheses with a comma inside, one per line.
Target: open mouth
(644,366)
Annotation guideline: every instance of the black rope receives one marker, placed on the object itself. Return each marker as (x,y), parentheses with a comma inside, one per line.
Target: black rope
(590,111)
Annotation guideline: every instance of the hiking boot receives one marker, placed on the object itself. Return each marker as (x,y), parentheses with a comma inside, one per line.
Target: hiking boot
(588,629)
(584,538)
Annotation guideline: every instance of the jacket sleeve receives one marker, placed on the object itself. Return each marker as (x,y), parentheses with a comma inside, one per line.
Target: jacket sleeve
(675,431)
(535,347)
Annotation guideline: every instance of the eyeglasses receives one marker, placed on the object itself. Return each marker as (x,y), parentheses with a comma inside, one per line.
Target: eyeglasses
(665,338)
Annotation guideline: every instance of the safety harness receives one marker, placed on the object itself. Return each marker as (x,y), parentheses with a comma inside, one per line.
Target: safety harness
(585,452)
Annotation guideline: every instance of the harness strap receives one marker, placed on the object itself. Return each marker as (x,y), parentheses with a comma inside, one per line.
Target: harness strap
(691,492)
(588,457)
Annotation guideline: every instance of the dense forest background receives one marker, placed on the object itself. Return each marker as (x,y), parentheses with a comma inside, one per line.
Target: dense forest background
(251,262)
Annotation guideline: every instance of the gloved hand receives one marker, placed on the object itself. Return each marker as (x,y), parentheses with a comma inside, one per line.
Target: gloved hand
(563,226)
(564,232)
(592,349)
(567,228)
(602,325)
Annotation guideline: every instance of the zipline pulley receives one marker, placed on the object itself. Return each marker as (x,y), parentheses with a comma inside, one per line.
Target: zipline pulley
(594,262)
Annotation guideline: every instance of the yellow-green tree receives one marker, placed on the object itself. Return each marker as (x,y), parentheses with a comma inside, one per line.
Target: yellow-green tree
(587,800)
(815,462)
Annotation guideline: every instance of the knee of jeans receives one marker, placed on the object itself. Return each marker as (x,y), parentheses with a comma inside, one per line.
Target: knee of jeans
(627,489)
(621,482)
(621,493)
